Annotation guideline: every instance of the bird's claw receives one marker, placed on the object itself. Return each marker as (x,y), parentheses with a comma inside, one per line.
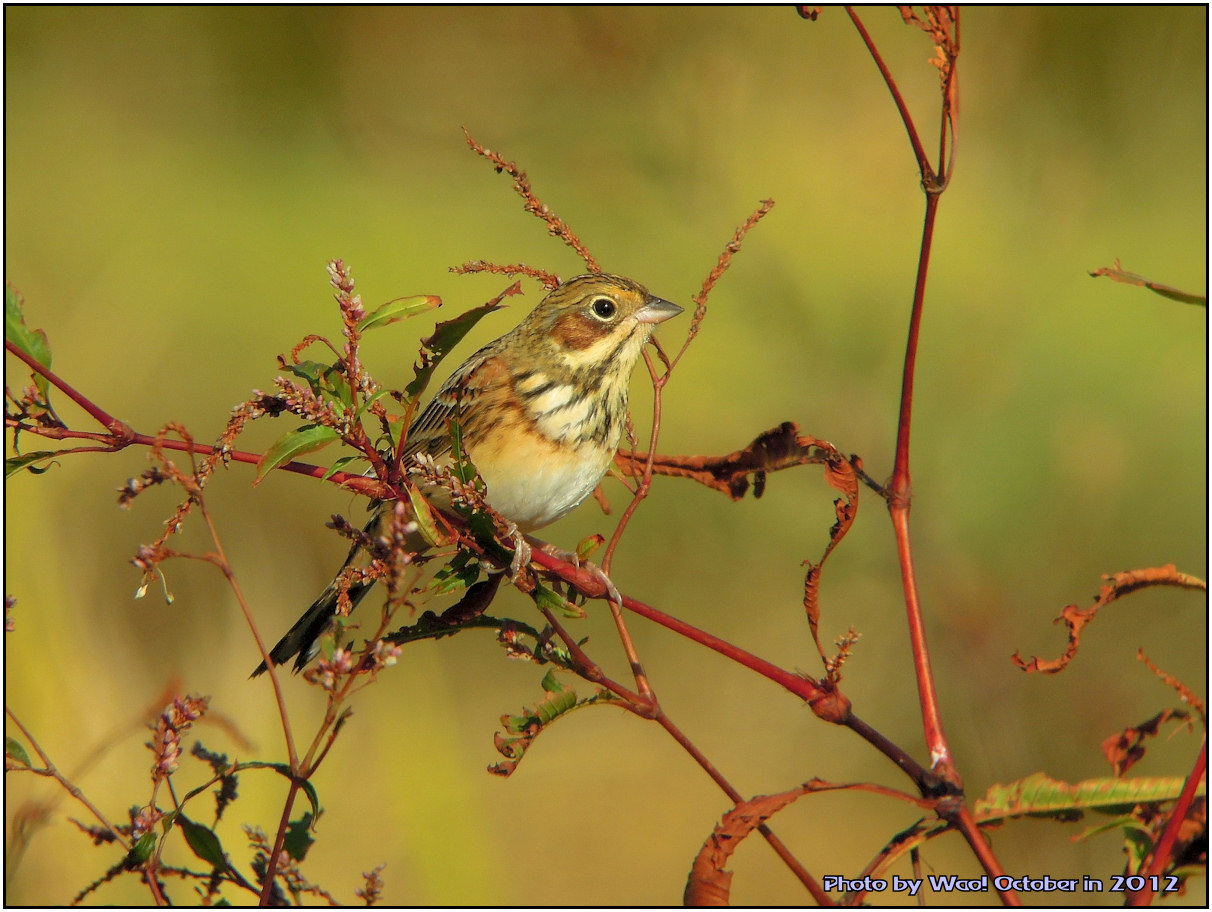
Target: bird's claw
(611,590)
(589,567)
(521,553)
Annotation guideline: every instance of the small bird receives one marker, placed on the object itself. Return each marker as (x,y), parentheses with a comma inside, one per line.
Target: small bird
(541,411)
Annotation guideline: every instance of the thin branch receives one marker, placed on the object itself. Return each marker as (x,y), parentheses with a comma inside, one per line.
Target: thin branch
(51,771)
(556,226)
(919,151)
(1161,855)
(120,432)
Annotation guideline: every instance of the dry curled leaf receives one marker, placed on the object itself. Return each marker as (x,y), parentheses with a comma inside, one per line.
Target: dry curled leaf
(1124,749)
(1118,584)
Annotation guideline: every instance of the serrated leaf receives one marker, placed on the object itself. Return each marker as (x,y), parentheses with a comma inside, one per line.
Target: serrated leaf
(397,310)
(203,842)
(1041,796)
(546,597)
(523,729)
(15,464)
(306,439)
(15,750)
(460,573)
(31,341)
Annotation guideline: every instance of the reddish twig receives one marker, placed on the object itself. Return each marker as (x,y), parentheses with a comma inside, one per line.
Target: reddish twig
(960,817)
(556,226)
(828,703)
(898,507)
(942,24)
(721,266)
(1160,857)
(919,150)
(548,280)
(120,434)
(49,769)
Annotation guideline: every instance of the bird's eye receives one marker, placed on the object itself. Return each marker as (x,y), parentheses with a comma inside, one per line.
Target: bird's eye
(603,308)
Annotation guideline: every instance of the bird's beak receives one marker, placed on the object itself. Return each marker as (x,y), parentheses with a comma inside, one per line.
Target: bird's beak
(657,310)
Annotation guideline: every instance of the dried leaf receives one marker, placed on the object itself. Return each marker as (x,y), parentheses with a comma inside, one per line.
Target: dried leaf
(710,882)
(1125,748)
(1118,584)
(1118,274)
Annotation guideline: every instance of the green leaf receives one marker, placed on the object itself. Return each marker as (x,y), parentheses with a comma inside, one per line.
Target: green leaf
(313,372)
(546,597)
(423,516)
(326,380)
(1039,795)
(302,440)
(31,341)
(397,310)
(15,464)
(460,462)
(521,730)
(203,842)
(586,546)
(141,851)
(340,464)
(460,573)
(15,750)
(365,406)
(284,770)
(298,837)
(437,346)
(1125,821)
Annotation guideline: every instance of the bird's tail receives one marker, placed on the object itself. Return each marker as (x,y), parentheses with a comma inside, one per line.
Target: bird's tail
(302,641)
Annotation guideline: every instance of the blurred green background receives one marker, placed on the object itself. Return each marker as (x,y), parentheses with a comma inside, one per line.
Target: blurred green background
(176,180)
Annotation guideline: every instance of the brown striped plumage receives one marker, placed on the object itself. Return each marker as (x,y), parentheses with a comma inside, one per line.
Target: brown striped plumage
(541,411)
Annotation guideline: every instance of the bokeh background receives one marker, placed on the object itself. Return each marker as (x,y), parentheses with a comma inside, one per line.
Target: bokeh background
(176,180)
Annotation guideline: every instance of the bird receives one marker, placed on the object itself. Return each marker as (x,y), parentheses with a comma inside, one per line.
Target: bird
(540,410)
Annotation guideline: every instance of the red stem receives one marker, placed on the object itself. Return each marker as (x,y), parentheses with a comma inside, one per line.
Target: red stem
(919,150)
(271,867)
(106,420)
(121,435)
(966,824)
(1165,846)
(900,490)
(801,686)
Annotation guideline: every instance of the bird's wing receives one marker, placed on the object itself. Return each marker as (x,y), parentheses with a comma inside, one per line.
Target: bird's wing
(478,380)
